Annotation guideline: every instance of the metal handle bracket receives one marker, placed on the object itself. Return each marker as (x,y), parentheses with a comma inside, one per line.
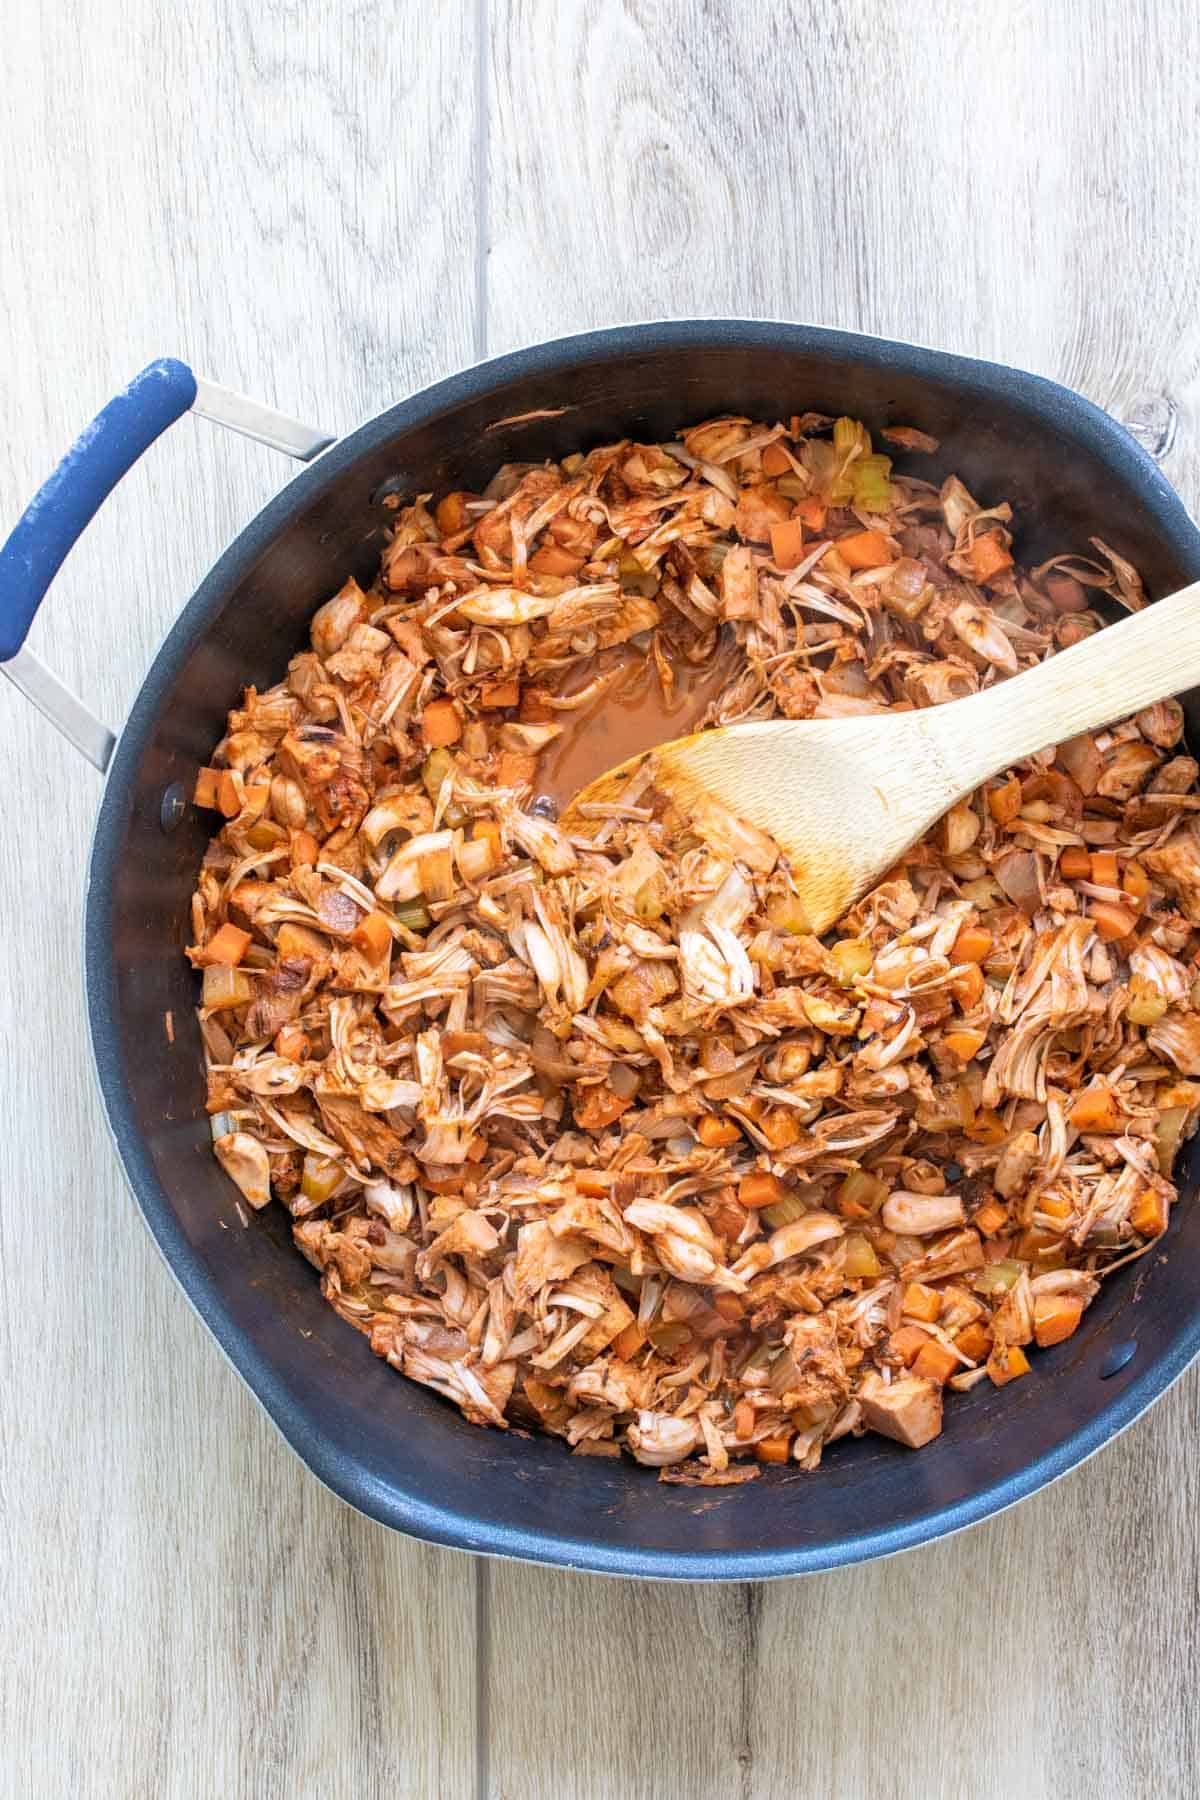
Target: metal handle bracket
(67,502)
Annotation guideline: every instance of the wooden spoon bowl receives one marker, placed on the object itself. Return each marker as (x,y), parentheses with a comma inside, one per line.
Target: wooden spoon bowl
(842,799)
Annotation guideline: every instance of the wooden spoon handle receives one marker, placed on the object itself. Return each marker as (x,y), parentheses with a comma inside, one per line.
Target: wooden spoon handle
(1108,676)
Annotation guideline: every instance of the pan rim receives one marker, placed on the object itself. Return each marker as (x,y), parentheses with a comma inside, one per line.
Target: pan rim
(1058,409)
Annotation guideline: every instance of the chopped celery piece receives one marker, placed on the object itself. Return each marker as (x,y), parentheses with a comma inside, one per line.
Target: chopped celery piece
(870,482)
(434,770)
(997,1277)
(413,913)
(785,1211)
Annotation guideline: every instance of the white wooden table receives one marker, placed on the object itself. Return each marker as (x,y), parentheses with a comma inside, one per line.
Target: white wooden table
(326,207)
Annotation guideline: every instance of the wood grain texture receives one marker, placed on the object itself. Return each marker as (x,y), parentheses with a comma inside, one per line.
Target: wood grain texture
(1010,182)
(294,198)
(185,1611)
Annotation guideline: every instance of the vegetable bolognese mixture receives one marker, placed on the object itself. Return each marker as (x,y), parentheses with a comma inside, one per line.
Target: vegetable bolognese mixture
(578,1123)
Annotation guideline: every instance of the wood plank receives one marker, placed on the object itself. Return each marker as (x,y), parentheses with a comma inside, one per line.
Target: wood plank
(1010,182)
(184,1609)
(1008,1660)
(601,1687)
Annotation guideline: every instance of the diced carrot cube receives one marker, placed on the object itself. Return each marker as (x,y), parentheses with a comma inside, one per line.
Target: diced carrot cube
(989,556)
(907,1342)
(628,1342)
(515,768)
(964,1044)
(293,1043)
(495,694)
(758,1189)
(1007,1363)
(207,783)
(972,944)
(1096,1109)
(787,543)
(921,1302)
(974,1340)
(373,935)
(1149,1214)
(1104,868)
(936,1362)
(441,723)
(227,945)
(1055,1317)
(864,549)
(1075,863)
(775,460)
(773,1449)
(968,985)
(1004,802)
(715,1133)
(1111,919)
(1055,1206)
(729,1306)
(743,1420)
(991,1218)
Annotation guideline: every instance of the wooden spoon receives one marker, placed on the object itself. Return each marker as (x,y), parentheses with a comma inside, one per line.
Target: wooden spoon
(843,798)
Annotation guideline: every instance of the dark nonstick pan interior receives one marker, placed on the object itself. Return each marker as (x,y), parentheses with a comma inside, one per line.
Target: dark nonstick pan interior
(388,1446)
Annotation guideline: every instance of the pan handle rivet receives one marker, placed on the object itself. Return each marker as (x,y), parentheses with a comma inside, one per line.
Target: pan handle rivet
(174,806)
(1117,1358)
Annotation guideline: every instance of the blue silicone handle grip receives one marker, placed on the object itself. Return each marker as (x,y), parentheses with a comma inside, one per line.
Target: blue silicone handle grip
(65,504)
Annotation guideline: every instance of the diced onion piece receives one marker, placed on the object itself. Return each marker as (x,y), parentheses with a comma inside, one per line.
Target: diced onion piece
(785,1211)
(476,858)
(861,1194)
(960,828)
(786,912)
(861,1263)
(321,1177)
(997,1277)
(1146,1004)
(852,956)
(224,987)
(245,1161)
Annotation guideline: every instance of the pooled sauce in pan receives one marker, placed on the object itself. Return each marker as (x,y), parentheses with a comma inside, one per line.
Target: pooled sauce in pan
(630,716)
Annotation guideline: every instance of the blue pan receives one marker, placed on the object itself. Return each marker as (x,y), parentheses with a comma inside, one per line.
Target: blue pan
(390,1448)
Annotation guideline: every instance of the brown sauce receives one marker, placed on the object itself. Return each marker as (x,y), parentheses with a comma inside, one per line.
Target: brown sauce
(630,716)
